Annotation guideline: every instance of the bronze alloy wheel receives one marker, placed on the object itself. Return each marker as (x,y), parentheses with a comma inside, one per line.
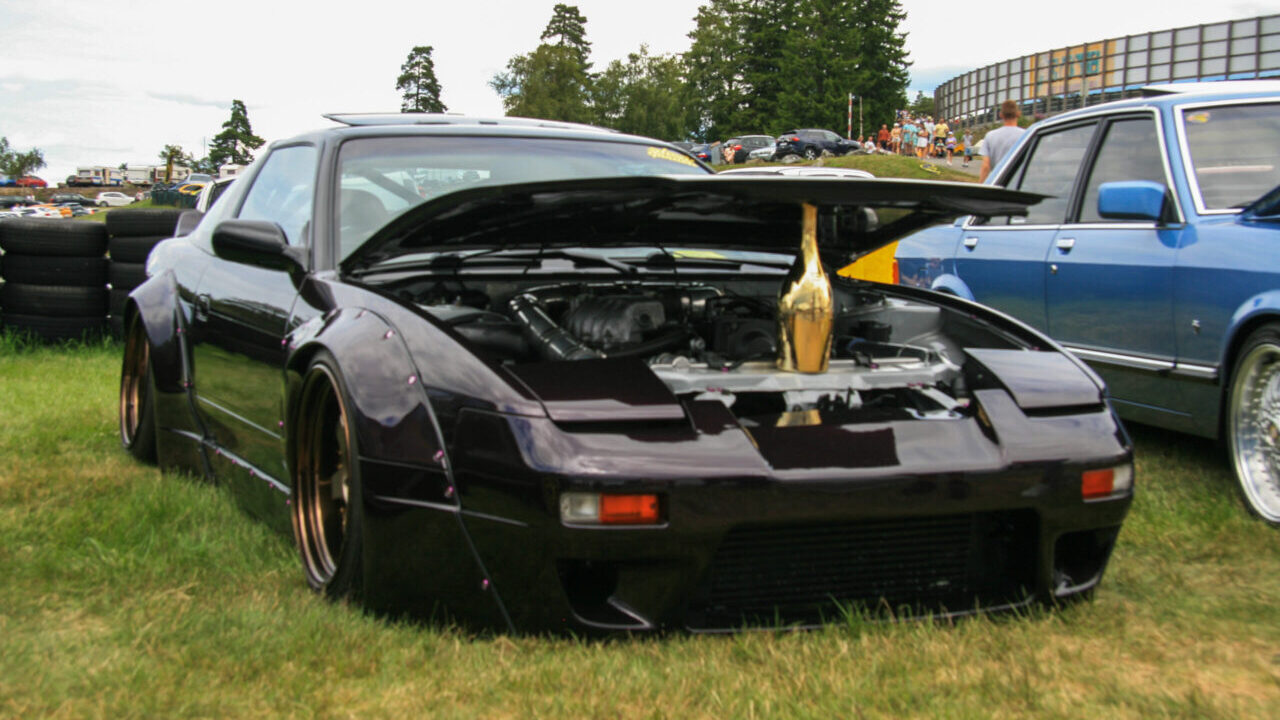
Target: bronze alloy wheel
(1254,423)
(137,414)
(325,502)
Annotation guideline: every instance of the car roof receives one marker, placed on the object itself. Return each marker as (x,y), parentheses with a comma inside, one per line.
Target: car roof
(1179,93)
(427,124)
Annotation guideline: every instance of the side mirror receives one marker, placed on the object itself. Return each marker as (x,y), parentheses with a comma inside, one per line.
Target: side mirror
(257,242)
(1132,200)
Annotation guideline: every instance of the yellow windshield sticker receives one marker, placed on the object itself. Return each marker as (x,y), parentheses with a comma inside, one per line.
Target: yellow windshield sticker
(697,254)
(1198,118)
(664,154)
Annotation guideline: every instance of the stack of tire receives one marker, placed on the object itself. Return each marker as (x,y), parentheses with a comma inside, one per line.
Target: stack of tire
(55,278)
(131,235)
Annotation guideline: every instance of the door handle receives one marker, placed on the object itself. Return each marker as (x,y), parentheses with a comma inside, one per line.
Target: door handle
(971,243)
(1065,244)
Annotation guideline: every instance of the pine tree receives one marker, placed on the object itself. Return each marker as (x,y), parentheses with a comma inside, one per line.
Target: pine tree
(645,95)
(552,82)
(569,27)
(418,82)
(236,143)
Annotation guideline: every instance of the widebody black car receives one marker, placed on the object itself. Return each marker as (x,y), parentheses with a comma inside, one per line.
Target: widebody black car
(810,143)
(533,376)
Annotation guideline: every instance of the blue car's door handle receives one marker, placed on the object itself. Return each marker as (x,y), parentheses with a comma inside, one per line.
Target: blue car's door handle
(971,242)
(1065,244)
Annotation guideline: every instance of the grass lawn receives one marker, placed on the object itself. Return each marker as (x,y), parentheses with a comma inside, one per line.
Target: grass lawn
(130,593)
(883,166)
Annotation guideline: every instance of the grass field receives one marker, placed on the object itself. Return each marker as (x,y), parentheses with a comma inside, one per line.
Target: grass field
(129,593)
(883,166)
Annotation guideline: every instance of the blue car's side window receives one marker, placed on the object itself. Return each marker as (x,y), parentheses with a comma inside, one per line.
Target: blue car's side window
(1052,170)
(1129,151)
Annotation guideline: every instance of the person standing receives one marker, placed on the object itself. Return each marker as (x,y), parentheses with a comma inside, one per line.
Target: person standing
(895,139)
(968,147)
(1000,141)
(882,137)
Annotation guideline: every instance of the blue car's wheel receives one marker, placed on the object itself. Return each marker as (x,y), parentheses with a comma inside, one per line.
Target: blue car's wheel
(1253,423)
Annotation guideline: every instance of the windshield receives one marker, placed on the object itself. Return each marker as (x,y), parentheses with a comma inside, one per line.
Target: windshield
(1235,152)
(382,178)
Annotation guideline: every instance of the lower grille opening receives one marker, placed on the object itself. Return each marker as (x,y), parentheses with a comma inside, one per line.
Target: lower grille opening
(907,567)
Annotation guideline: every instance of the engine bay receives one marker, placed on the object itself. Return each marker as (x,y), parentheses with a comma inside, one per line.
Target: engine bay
(891,357)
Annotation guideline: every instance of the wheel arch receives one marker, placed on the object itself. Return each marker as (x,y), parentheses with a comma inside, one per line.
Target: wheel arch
(952,285)
(1252,314)
(157,305)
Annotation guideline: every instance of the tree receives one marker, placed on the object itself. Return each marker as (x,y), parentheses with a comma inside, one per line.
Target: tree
(569,27)
(236,142)
(772,65)
(552,82)
(174,155)
(922,105)
(418,82)
(19,164)
(646,95)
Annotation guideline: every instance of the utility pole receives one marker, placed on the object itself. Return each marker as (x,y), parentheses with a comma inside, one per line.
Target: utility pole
(848,133)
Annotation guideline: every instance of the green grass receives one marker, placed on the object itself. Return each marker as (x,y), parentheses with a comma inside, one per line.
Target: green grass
(883,166)
(126,592)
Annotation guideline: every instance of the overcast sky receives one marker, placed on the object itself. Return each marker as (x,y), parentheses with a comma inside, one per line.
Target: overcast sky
(109,81)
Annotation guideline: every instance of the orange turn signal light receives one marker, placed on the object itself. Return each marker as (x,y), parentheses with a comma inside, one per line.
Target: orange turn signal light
(1106,482)
(628,509)
(588,508)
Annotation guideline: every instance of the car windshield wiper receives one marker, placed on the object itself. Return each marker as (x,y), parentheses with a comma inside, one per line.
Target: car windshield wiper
(1266,206)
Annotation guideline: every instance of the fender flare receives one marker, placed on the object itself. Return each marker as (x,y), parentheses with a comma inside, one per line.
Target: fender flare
(157,304)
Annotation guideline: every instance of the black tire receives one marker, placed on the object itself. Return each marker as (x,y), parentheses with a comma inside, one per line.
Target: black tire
(126,276)
(38,270)
(327,525)
(1253,423)
(56,329)
(133,249)
(53,300)
(49,237)
(137,396)
(142,222)
(116,300)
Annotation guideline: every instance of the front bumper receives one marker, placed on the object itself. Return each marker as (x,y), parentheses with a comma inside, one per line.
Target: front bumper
(986,527)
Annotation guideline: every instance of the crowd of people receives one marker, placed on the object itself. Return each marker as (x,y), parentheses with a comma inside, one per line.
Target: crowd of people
(924,138)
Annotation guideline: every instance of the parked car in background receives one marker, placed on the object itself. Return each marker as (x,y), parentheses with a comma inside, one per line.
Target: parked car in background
(1155,258)
(764,153)
(685,146)
(59,198)
(113,198)
(702,151)
(736,150)
(595,387)
(30,181)
(809,143)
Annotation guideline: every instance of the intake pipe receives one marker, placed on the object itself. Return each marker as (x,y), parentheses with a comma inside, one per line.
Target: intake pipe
(549,339)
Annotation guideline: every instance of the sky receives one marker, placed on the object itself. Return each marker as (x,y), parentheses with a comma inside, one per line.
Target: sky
(104,82)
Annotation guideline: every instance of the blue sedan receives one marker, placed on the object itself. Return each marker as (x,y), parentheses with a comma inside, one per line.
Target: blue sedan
(1155,257)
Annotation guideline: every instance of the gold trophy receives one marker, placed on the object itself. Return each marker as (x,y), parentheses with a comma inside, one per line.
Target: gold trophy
(806,312)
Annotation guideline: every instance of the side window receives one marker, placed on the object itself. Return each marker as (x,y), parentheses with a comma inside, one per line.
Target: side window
(1129,151)
(1051,170)
(282,191)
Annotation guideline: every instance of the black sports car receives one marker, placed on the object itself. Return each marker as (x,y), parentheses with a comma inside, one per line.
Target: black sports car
(536,376)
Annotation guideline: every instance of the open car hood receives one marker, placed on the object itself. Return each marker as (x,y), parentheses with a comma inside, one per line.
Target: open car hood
(737,213)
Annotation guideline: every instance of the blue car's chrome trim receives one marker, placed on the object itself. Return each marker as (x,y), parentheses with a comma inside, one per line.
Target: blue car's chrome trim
(1149,364)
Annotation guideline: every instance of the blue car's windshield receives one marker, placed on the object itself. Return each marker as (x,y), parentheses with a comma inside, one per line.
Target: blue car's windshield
(1235,152)
(381,178)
